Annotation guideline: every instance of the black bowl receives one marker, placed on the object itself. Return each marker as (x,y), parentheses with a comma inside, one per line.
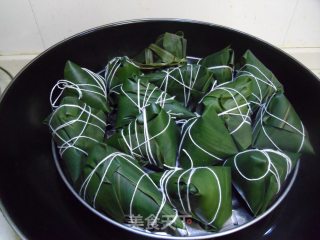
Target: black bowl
(35,199)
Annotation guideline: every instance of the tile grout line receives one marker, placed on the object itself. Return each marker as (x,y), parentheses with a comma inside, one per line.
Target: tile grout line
(290,22)
(37,23)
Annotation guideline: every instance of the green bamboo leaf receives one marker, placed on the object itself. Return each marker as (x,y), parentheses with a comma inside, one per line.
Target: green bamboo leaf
(202,192)
(220,64)
(87,85)
(265,83)
(258,175)
(164,55)
(276,122)
(136,94)
(231,104)
(76,128)
(168,50)
(152,137)
(117,71)
(114,183)
(175,44)
(187,83)
(205,141)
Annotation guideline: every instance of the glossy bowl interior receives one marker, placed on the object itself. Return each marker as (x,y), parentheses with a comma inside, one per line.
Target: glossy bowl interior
(37,201)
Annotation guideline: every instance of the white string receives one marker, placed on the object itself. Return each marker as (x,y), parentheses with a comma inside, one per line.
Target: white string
(202,149)
(109,75)
(111,158)
(184,132)
(169,75)
(112,69)
(219,189)
(190,158)
(71,142)
(101,181)
(124,92)
(245,117)
(146,135)
(149,96)
(137,137)
(125,157)
(134,193)
(264,110)
(138,95)
(173,220)
(221,67)
(286,157)
(98,79)
(179,192)
(194,58)
(303,137)
(157,134)
(191,84)
(61,85)
(267,81)
(165,178)
(99,88)
(147,138)
(245,177)
(275,174)
(188,188)
(163,183)
(271,168)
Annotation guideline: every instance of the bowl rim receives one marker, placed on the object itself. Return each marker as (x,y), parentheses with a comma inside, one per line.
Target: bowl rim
(5,213)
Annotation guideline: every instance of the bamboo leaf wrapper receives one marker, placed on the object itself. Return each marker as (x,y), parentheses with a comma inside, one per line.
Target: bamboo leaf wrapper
(220,64)
(87,85)
(153,137)
(258,175)
(203,192)
(276,122)
(231,104)
(187,83)
(264,82)
(114,183)
(117,71)
(205,141)
(76,128)
(168,50)
(138,94)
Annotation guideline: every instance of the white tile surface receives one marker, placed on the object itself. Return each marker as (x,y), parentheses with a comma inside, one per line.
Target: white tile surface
(268,20)
(28,26)
(15,63)
(317,73)
(12,64)
(304,30)
(310,57)
(6,232)
(18,29)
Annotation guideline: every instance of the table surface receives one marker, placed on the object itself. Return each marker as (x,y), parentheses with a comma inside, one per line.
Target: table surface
(6,232)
